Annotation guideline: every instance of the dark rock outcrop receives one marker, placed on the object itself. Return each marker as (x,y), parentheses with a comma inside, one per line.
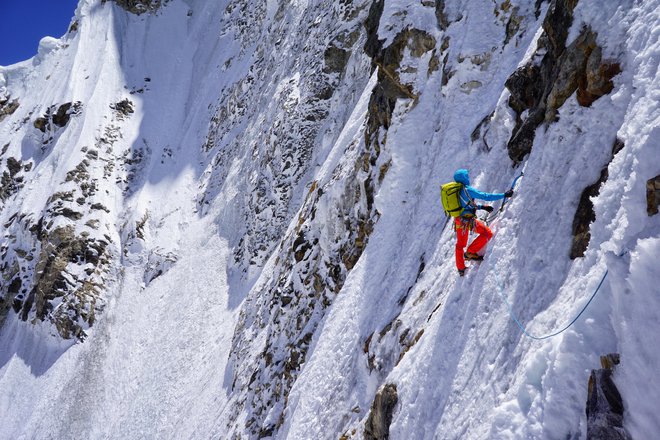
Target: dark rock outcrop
(57,118)
(388,59)
(584,215)
(335,59)
(123,108)
(653,195)
(13,178)
(440,15)
(539,89)
(378,423)
(69,300)
(604,403)
(139,6)
(530,84)
(7,107)
(581,71)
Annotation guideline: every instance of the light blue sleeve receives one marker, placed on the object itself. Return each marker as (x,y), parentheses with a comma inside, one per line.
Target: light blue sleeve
(489,197)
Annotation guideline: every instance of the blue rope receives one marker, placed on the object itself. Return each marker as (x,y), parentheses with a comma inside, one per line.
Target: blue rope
(525,332)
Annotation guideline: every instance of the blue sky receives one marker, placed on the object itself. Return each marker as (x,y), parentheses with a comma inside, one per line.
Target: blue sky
(23,23)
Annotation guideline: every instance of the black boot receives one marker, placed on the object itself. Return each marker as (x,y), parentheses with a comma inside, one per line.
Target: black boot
(471,256)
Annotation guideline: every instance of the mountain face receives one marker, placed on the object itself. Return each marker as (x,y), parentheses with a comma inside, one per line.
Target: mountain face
(222,220)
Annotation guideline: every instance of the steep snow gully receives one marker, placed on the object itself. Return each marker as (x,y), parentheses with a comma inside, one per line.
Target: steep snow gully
(222,220)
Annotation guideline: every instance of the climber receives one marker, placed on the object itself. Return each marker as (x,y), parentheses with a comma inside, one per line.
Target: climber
(467,220)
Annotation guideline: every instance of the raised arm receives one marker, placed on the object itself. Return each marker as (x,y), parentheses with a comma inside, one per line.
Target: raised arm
(489,197)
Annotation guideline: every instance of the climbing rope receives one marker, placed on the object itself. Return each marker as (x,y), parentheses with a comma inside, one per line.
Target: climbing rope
(525,332)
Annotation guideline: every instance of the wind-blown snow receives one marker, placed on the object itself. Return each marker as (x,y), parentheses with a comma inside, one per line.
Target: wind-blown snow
(157,362)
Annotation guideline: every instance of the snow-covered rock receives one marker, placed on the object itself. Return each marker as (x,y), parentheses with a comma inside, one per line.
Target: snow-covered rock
(222,220)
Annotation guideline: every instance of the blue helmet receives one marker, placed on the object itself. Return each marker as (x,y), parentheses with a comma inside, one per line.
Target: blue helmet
(461,176)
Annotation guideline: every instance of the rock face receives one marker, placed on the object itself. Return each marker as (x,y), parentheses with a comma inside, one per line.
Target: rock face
(539,88)
(653,195)
(55,262)
(604,404)
(306,139)
(584,214)
(377,426)
(316,257)
(54,274)
(60,248)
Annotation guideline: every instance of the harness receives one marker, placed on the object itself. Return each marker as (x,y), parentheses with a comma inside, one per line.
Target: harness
(466,222)
(467,219)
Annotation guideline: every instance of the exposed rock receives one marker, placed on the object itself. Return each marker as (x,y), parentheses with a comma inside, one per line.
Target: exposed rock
(407,343)
(12,180)
(434,63)
(388,60)
(525,87)
(556,24)
(585,215)
(481,130)
(513,24)
(440,15)
(378,423)
(373,45)
(139,6)
(572,66)
(63,114)
(653,195)
(74,27)
(7,107)
(583,70)
(52,289)
(541,88)
(57,118)
(335,59)
(69,213)
(14,166)
(123,108)
(597,80)
(141,225)
(41,124)
(313,259)
(99,207)
(530,84)
(604,403)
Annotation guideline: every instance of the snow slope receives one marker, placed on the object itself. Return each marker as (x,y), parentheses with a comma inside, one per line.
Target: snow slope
(273,262)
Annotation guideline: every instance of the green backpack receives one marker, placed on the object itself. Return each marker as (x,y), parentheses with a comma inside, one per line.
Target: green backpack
(450,196)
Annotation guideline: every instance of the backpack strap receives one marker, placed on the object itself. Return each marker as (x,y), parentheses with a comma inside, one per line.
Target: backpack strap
(470,201)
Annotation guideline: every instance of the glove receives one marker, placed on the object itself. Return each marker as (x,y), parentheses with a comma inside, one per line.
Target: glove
(508,194)
(486,208)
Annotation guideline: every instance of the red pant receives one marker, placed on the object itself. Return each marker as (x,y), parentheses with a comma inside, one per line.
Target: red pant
(462,235)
